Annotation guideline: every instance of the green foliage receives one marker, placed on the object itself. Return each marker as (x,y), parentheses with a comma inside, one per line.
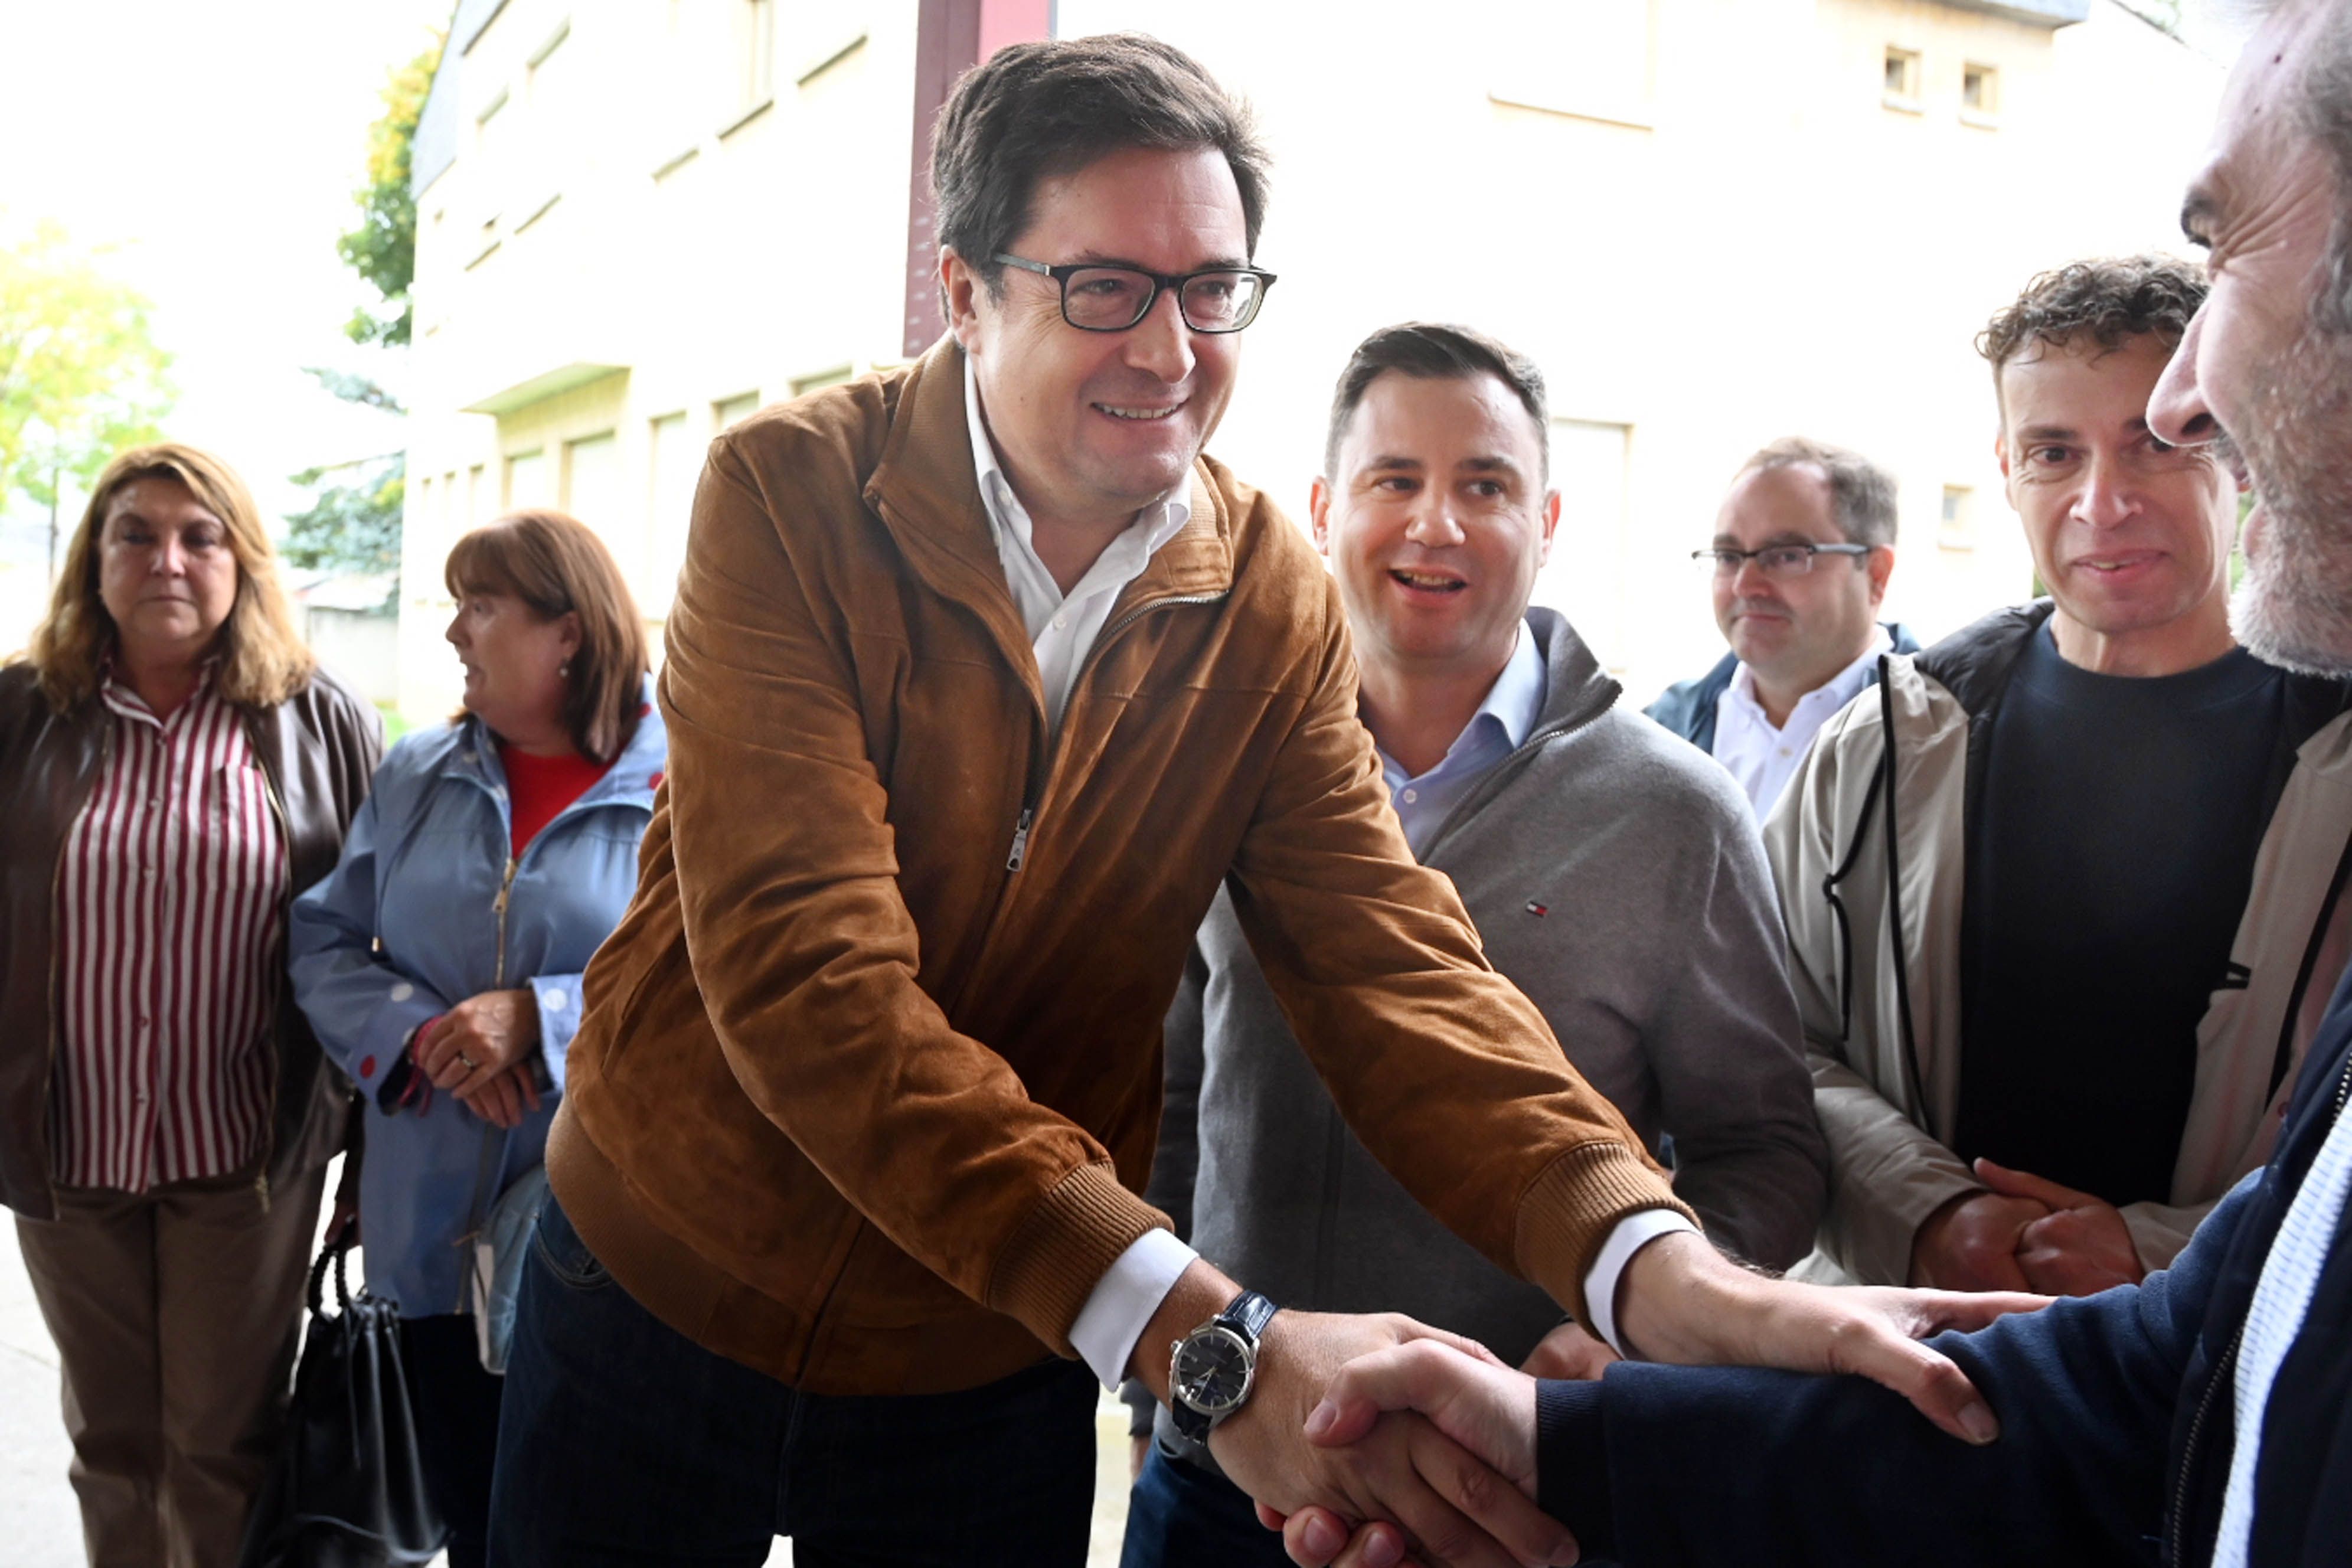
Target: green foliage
(356,389)
(354,523)
(382,248)
(80,377)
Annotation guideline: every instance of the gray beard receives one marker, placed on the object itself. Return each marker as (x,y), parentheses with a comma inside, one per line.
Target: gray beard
(2293,607)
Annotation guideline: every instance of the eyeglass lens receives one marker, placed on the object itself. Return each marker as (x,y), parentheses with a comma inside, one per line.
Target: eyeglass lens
(1780,560)
(1112,299)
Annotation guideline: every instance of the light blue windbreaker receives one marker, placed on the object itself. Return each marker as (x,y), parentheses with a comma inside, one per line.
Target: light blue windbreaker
(422,869)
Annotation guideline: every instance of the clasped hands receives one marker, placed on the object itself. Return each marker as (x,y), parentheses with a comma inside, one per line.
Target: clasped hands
(480,1050)
(2026,1232)
(1375,1440)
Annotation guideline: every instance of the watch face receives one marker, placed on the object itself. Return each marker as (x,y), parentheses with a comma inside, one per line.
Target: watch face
(1213,1368)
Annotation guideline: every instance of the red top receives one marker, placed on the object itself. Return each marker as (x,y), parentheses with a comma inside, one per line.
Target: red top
(538,787)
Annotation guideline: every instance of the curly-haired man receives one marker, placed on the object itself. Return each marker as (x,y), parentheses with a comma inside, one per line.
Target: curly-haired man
(2049,1048)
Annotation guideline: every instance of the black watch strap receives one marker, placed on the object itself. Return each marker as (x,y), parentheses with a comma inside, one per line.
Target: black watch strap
(1247,1315)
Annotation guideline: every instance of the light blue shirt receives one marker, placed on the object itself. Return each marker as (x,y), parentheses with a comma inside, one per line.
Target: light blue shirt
(1501,726)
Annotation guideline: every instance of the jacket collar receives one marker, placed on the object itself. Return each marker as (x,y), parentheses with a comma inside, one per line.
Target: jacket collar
(470,754)
(1576,689)
(926,489)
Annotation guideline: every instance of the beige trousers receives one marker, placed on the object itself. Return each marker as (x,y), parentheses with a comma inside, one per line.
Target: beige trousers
(175,1313)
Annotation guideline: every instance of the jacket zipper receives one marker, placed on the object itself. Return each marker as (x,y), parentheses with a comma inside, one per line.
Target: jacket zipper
(1035,794)
(499,908)
(2223,1371)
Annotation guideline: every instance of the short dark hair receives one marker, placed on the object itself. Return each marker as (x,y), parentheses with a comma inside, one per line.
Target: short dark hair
(1036,110)
(555,564)
(1862,494)
(1434,350)
(2110,302)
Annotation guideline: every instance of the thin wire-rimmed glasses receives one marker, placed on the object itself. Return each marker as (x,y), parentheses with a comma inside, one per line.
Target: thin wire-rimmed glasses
(1775,560)
(1099,298)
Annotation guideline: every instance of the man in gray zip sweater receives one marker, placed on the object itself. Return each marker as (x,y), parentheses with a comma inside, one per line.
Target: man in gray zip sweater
(1614,874)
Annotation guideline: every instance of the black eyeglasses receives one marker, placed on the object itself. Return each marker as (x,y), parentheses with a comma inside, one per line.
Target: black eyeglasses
(1097,299)
(1775,560)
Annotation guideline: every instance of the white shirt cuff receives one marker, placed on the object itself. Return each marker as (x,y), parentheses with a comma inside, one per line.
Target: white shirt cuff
(1634,1231)
(1123,1298)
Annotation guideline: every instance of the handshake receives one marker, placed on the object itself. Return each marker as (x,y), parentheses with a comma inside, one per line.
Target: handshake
(1376,1440)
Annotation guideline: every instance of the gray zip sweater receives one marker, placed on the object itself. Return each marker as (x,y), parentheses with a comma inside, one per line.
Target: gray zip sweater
(1616,876)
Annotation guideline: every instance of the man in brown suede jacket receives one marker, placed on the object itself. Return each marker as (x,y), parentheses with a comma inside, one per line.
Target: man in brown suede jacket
(981,682)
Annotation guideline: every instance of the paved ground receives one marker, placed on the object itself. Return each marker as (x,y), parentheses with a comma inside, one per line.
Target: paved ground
(40,1529)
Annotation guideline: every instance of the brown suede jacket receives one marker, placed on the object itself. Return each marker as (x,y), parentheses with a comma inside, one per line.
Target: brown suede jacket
(319,749)
(870,1076)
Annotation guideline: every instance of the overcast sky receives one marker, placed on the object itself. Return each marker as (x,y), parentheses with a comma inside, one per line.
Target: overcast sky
(216,146)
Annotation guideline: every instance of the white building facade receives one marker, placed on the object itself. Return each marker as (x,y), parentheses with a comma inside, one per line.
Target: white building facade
(1712,222)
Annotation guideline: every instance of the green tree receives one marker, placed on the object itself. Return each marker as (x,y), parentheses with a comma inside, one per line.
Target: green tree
(352,524)
(81,376)
(382,248)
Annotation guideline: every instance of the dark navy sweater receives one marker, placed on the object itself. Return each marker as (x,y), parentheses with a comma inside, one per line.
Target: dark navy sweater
(2116,1423)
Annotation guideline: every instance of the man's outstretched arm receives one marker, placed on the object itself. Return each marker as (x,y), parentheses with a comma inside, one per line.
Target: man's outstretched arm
(1659,1464)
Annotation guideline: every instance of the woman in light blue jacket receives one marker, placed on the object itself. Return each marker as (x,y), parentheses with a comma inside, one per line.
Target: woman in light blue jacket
(440,963)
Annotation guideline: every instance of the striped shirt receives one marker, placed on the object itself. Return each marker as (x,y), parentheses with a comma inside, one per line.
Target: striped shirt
(171,891)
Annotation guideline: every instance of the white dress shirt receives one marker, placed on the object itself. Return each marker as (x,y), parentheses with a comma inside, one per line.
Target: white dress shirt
(1062,628)
(1762,758)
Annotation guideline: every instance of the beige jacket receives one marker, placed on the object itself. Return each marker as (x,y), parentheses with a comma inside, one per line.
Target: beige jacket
(1890,1130)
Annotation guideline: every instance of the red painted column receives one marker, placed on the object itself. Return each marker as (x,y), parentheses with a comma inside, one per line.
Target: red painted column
(952,37)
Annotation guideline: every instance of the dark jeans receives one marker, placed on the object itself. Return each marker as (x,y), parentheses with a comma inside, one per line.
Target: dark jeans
(624,1442)
(1181,1516)
(455,1406)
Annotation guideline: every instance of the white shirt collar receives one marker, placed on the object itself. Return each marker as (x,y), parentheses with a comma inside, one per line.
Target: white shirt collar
(1155,525)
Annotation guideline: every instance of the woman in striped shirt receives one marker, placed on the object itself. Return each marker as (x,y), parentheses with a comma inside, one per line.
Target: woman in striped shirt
(173,769)
(441,964)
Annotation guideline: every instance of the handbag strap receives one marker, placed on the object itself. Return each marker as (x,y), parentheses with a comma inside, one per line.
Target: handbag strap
(337,1250)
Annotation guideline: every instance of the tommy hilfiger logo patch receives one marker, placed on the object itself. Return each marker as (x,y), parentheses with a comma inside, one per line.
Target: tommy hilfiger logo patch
(1536,909)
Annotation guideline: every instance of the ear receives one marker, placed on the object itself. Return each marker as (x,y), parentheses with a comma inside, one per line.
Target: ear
(567,632)
(1550,524)
(1319,513)
(1881,564)
(960,292)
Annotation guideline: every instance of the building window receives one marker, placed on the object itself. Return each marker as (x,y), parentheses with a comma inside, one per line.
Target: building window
(730,411)
(1902,84)
(527,481)
(592,469)
(1980,93)
(1957,528)
(755,56)
(675,462)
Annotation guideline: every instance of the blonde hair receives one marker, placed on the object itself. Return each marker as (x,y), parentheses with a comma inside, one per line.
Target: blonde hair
(263,660)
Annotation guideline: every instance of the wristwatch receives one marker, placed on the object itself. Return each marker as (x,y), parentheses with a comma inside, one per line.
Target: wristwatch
(1212,1370)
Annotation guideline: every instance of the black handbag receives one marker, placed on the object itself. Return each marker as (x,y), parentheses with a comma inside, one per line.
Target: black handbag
(348,1489)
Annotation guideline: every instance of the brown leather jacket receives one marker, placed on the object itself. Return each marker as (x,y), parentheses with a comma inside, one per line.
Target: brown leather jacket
(319,749)
(870,1074)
